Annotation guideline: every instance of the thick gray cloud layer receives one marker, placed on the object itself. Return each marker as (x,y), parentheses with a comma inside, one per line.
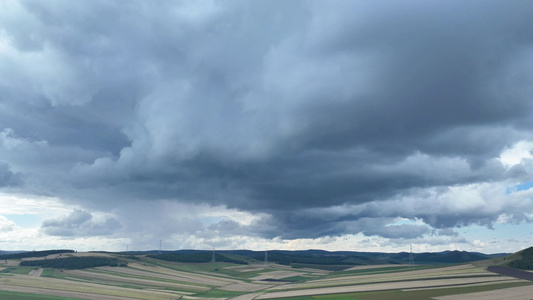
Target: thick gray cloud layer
(328,117)
(79,223)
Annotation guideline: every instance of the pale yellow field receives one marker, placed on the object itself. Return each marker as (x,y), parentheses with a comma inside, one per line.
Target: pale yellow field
(9,263)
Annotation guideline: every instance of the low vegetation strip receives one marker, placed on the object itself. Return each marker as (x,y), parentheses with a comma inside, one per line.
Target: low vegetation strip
(511,272)
(72,263)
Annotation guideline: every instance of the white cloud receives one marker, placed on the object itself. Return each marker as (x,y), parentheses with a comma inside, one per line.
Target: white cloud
(20,204)
(5,224)
(516,154)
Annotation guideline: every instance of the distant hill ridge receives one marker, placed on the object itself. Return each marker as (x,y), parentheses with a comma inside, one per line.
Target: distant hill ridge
(289,257)
(2,252)
(24,254)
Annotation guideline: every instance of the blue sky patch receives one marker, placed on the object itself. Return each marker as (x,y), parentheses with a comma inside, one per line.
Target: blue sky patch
(520,187)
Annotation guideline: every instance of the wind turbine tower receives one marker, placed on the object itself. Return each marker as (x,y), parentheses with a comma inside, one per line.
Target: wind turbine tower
(411,259)
(266,259)
(213,259)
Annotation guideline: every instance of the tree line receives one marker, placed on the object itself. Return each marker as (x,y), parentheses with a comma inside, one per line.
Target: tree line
(34,254)
(200,257)
(72,263)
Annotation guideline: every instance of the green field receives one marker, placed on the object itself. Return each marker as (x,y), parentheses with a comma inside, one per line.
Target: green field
(26,296)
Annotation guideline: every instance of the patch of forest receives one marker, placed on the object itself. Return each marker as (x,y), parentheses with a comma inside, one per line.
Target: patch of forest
(526,262)
(197,257)
(34,254)
(306,258)
(72,263)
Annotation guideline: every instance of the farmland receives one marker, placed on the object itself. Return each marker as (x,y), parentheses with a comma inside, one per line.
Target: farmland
(238,276)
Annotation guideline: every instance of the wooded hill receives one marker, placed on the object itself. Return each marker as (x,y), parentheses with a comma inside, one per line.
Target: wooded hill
(332,260)
(197,257)
(34,254)
(74,262)
(321,257)
(526,260)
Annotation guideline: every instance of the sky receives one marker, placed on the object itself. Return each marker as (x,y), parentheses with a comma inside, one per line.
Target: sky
(335,125)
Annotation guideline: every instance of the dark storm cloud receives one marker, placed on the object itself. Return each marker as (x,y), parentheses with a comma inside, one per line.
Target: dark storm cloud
(281,108)
(7,177)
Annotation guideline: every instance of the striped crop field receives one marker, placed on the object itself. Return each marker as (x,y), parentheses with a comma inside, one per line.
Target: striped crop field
(142,277)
